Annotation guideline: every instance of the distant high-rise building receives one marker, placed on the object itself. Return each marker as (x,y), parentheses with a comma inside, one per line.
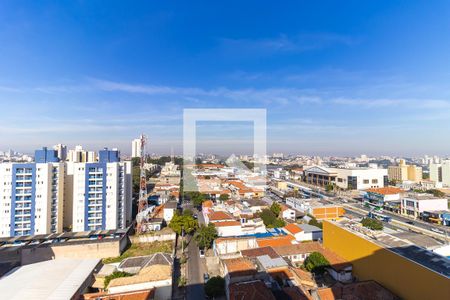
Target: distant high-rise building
(440,173)
(80,155)
(136,148)
(404,172)
(61,151)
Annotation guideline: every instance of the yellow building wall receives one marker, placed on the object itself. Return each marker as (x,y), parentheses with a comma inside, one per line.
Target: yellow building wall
(403,277)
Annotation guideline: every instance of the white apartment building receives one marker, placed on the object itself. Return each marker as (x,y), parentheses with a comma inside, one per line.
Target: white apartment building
(440,173)
(414,205)
(100,196)
(136,148)
(31,198)
(48,196)
(80,155)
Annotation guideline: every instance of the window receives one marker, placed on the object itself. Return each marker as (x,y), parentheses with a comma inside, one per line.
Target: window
(375,181)
(366,181)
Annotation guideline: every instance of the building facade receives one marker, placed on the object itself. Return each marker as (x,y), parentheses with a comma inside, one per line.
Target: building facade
(101,193)
(404,172)
(31,198)
(136,148)
(347,178)
(415,204)
(440,173)
(49,196)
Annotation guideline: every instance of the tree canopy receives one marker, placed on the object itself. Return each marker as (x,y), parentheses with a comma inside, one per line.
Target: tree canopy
(316,263)
(270,219)
(183,222)
(215,287)
(205,235)
(224,197)
(275,208)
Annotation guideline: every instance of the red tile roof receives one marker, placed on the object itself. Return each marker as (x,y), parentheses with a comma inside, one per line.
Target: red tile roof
(278,241)
(251,290)
(227,223)
(293,228)
(207,203)
(239,266)
(255,252)
(220,215)
(385,190)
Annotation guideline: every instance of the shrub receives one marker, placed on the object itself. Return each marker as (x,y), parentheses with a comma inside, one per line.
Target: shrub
(114,275)
(372,224)
(215,286)
(316,263)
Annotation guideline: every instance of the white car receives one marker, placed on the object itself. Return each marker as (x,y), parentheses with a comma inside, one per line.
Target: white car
(202,253)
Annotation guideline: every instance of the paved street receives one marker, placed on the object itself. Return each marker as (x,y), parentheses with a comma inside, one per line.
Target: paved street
(195,270)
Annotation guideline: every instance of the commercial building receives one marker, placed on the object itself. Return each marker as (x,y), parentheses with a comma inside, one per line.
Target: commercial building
(383,198)
(61,151)
(316,208)
(404,172)
(414,205)
(347,178)
(379,256)
(51,279)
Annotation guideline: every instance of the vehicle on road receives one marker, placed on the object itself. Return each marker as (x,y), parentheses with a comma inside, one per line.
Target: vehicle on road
(410,222)
(378,216)
(202,253)
(195,216)
(206,277)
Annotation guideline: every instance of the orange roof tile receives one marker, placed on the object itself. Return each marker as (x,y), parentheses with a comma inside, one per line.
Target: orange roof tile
(219,215)
(295,249)
(251,290)
(386,190)
(285,240)
(239,266)
(255,252)
(227,223)
(293,228)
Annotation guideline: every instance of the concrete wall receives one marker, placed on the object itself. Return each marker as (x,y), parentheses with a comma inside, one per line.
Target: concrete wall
(153,238)
(403,277)
(95,249)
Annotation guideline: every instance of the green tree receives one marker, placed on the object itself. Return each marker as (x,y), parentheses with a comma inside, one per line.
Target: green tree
(224,197)
(205,235)
(215,287)
(114,275)
(316,263)
(314,222)
(270,219)
(187,212)
(183,222)
(373,224)
(275,208)
(329,187)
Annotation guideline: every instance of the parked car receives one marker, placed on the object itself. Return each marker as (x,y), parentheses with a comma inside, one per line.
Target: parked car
(437,230)
(410,222)
(202,253)
(206,277)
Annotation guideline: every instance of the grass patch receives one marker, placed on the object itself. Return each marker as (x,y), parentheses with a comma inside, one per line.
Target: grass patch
(141,249)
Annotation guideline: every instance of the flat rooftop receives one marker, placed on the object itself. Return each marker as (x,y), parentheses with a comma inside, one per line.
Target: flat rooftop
(52,279)
(421,256)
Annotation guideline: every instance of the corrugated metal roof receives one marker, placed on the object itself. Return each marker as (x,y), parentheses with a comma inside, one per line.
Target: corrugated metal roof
(53,279)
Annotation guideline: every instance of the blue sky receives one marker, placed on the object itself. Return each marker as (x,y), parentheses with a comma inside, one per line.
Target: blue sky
(336,77)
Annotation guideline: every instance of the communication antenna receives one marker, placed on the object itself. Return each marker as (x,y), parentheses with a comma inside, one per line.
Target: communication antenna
(142,202)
